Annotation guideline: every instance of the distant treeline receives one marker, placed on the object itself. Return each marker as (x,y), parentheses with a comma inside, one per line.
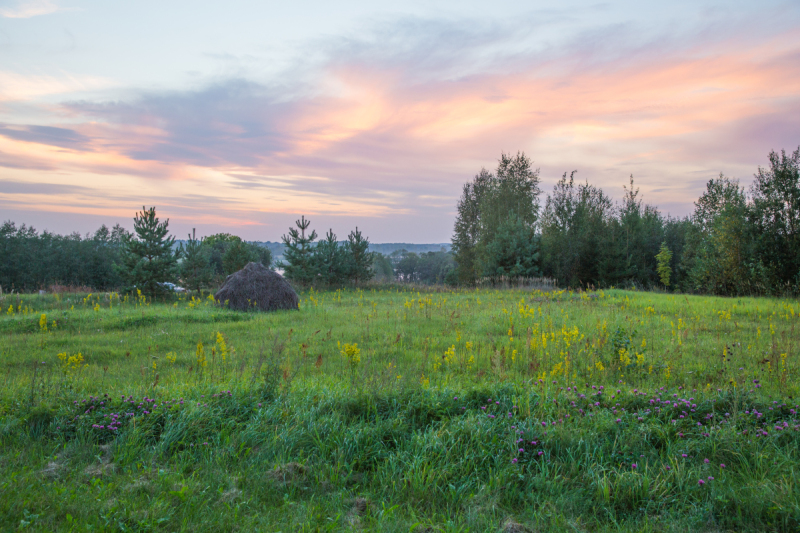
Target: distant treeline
(30,260)
(277,248)
(737,241)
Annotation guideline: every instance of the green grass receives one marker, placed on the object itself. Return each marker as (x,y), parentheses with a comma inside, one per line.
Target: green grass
(417,428)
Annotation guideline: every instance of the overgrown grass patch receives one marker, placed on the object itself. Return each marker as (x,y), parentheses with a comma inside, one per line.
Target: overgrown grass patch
(467,410)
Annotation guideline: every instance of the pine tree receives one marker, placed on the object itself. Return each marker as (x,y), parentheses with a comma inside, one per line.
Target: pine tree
(330,261)
(514,251)
(196,269)
(298,264)
(359,259)
(148,258)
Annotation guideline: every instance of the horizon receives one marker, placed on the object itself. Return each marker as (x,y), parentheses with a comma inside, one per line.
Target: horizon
(240,118)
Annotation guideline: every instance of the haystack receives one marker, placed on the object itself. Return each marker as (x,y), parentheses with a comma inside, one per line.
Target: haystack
(257,287)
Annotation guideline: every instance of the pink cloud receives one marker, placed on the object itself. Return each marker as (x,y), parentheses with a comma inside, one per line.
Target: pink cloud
(390,141)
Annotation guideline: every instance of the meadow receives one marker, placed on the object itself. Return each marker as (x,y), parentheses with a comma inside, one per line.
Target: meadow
(389,409)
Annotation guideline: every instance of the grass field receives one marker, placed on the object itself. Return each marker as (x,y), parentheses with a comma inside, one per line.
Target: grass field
(392,410)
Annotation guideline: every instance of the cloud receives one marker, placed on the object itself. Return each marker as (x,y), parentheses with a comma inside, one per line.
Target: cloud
(21,187)
(231,122)
(47,135)
(394,120)
(23,9)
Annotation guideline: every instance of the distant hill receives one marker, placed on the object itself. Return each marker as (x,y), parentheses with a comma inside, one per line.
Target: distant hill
(384,248)
(388,248)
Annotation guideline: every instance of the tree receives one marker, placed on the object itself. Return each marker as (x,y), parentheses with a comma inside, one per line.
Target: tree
(238,254)
(407,266)
(717,253)
(196,270)
(382,267)
(486,204)
(229,253)
(513,252)
(436,268)
(298,262)
(775,217)
(148,258)
(217,246)
(676,231)
(100,254)
(330,262)
(514,189)
(358,258)
(261,253)
(574,221)
(663,259)
(466,234)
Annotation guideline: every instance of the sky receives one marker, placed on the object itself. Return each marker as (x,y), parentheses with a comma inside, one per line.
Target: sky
(241,116)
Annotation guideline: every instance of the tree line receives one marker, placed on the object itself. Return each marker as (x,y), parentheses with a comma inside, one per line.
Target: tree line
(30,260)
(737,240)
(148,257)
(115,258)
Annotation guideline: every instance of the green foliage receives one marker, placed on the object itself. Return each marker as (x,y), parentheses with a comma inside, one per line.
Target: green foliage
(485,207)
(429,268)
(148,258)
(775,217)
(32,261)
(407,263)
(589,241)
(238,254)
(382,266)
(289,435)
(513,191)
(663,258)
(513,251)
(573,227)
(330,261)
(196,271)
(633,242)
(229,253)
(358,258)
(298,261)
(733,244)
(466,233)
(217,245)
(718,252)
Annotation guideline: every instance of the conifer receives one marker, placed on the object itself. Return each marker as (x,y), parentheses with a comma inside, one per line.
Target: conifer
(148,258)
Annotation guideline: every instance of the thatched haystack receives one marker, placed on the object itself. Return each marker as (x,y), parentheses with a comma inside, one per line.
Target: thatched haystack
(257,287)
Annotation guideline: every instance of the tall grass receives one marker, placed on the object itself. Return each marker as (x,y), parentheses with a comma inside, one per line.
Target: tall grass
(463,410)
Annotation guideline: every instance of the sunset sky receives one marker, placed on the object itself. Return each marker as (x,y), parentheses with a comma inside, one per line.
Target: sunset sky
(240,116)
